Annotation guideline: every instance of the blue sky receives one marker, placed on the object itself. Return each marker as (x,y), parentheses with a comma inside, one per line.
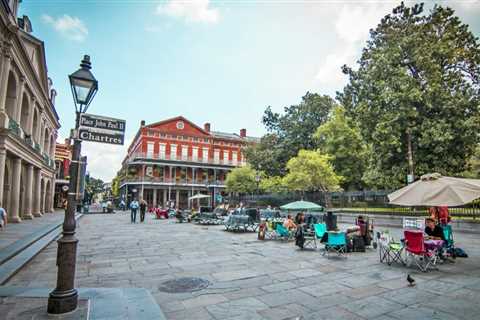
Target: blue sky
(212,61)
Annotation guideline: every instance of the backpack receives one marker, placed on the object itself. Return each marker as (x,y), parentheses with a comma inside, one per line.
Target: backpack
(459,252)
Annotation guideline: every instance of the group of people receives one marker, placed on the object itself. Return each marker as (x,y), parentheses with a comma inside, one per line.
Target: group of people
(134,207)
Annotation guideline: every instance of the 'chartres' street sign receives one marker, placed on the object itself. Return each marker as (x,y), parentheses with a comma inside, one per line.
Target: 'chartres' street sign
(90,135)
(101,129)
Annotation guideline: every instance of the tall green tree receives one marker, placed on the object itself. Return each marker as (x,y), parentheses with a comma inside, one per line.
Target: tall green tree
(415,94)
(241,180)
(340,138)
(289,132)
(311,171)
(273,184)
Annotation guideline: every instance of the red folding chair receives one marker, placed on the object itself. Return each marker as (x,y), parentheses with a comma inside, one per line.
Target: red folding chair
(415,248)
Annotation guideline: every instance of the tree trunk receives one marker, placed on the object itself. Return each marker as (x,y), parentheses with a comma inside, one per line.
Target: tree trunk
(410,154)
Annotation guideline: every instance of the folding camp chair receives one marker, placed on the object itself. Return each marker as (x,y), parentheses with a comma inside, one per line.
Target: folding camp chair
(337,242)
(270,231)
(415,248)
(449,243)
(282,232)
(309,240)
(389,250)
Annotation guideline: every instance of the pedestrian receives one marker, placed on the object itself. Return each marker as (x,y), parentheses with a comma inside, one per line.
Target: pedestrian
(3,218)
(122,205)
(133,213)
(143,208)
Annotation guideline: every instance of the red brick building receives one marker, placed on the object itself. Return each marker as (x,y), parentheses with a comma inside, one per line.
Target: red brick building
(171,160)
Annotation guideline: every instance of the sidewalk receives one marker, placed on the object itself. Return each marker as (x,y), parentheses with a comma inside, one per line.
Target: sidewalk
(16,231)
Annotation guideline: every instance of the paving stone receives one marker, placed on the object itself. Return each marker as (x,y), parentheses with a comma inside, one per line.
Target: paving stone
(203,300)
(247,307)
(286,297)
(336,313)
(419,312)
(372,307)
(279,286)
(323,289)
(363,292)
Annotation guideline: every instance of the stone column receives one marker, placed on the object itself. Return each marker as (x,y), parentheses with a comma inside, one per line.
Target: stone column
(154,204)
(164,197)
(52,196)
(6,65)
(37,193)
(3,159)
(177,198)
(15,194)
(28,194)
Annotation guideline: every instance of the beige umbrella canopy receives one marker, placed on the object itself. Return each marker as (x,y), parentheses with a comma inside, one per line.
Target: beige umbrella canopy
(436,190)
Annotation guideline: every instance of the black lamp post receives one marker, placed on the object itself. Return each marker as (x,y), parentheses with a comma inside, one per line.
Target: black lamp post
(64,298)
(257,179)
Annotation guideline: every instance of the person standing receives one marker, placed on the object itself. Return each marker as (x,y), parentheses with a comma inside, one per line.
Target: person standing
(143,209)
(3,218)
(133,213)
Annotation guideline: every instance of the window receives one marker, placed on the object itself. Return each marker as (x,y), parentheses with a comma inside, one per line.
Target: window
(180,125)
(225,157)
(206,140)
(235,157)
(195,139)
(162,151)
(173,151)
(184,152)
(216,156)
(194,153)
(150,146)
(205,155)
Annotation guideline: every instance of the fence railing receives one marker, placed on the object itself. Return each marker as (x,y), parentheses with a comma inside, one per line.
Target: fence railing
(362,202)
(168,157)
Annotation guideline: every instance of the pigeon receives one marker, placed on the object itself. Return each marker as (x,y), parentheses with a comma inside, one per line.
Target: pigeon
(411,281)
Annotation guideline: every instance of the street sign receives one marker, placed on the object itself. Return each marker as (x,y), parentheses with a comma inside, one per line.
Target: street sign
(101,122)
(87,134)
(101,129)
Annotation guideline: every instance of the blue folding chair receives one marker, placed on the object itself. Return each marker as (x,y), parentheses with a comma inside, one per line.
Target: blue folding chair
(337,242)
(282,232)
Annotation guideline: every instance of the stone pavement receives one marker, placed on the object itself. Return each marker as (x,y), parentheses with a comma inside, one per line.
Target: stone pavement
(251,279)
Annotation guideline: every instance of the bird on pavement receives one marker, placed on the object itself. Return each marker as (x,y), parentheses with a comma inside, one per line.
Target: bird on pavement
(411,281)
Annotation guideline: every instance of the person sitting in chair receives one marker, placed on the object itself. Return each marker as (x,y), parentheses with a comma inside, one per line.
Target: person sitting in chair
(289,224)
(434,231)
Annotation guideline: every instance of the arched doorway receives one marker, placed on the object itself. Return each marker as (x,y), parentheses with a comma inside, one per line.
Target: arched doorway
(11,100)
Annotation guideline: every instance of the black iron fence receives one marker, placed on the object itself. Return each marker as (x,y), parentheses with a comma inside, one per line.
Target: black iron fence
(361,202)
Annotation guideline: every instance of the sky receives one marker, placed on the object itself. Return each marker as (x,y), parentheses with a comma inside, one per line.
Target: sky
(221,62)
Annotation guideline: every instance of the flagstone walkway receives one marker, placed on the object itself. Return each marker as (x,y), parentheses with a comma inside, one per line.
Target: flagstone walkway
(251,279)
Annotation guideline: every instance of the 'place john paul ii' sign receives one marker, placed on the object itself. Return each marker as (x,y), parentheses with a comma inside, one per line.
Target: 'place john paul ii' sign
(101,129)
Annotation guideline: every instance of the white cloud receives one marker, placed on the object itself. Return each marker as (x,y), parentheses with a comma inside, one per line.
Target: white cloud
(70,27)
(190,10)
(104,160)
(352,26)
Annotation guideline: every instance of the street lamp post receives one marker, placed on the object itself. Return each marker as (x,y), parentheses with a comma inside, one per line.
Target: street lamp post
(64,298)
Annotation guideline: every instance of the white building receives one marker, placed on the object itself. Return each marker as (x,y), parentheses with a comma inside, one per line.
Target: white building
(28,120)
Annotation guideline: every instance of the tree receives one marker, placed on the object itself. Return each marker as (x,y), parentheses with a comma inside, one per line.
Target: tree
(311,171)
(340,138)
(93,187)
(273,184)
(268,155)
(289,132)
(474,165)
(415,94)
(241,180)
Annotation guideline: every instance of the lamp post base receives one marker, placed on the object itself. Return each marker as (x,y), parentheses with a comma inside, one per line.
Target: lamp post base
(62,302)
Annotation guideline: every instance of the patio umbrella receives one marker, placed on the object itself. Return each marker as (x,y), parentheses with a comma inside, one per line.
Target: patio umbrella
(199,196)
(435,190)
(301,206)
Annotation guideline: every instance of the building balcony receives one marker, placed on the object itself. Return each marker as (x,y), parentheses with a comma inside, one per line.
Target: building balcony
(184,159)
(174,182)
